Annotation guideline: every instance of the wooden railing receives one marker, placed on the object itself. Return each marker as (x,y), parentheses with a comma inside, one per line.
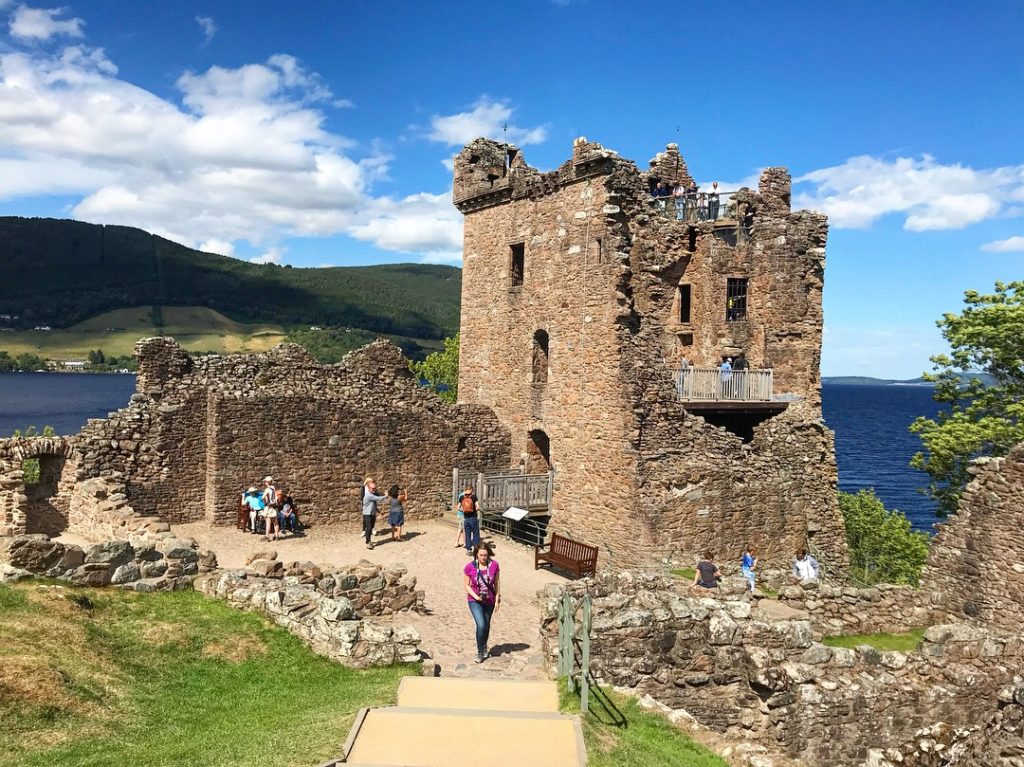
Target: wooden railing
(704,384)
(499,491)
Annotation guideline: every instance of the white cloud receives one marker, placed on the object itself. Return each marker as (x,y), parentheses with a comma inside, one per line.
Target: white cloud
(487,118)
(929,195)
(1010,245)
(208,27)
(420,223)
(220,247)
(244,155)
(272,256)
(43,23)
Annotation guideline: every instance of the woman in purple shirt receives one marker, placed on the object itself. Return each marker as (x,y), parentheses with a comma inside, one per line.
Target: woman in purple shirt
(483,592)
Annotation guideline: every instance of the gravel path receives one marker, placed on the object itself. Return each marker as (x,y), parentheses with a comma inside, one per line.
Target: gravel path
(429,553)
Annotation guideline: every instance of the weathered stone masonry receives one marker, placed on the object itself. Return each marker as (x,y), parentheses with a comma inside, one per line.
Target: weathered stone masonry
(576,360)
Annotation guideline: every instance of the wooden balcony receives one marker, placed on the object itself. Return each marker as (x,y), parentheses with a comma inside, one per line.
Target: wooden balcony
(737,390)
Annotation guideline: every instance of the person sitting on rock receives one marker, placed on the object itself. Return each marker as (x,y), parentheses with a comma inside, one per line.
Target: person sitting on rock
(707,575)
(806,567)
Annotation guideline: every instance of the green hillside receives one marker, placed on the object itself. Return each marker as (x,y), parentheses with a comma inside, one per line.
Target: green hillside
(60,273)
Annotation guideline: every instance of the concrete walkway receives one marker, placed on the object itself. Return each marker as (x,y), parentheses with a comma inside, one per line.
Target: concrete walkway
(429,553)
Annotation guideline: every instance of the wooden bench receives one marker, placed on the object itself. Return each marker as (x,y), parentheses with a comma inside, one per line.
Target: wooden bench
(578,558)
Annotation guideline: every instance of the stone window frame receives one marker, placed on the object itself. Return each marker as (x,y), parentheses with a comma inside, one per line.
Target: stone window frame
(681,289)
(737,289)
(517,271)
(540,357)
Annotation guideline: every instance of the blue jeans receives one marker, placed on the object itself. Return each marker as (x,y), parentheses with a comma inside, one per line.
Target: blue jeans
(482,617)
(472,528)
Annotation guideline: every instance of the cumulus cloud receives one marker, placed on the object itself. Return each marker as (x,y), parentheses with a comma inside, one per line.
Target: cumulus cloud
(242,155)
(208,27)
(488,118)
(1010,245)
(40,24)
(421,223)
(272,256)
(928,195)
(220,247)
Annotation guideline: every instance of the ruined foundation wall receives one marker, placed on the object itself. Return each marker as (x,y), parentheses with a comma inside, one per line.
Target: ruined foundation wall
(199,431)
(977,557)
(769,682)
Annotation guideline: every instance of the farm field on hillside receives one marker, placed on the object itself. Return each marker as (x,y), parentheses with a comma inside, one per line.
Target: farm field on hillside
(196,328)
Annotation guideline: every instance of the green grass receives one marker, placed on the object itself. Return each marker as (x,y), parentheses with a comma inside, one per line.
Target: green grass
(618,733)
(685,572)
(906,642)
(165,680)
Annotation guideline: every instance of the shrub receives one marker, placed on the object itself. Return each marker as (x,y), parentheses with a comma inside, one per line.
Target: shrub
(884,548)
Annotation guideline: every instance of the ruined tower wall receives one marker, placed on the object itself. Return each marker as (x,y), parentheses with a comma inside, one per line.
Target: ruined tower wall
(977,557)
(636,473)
(572,260)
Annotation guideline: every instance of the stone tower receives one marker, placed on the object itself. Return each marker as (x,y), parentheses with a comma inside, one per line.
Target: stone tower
(581,294)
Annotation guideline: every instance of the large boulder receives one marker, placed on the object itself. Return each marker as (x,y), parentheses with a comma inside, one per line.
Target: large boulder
(110,553)
(34,553)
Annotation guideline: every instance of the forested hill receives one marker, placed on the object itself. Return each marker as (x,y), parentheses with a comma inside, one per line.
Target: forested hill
(58,272)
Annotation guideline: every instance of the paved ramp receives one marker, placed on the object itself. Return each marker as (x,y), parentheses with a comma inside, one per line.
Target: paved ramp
(437,720)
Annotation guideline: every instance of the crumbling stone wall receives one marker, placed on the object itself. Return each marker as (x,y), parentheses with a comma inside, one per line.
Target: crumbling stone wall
(198,431)
(42,507)
(977,556)
(885,608)
(769,681)
(636,472)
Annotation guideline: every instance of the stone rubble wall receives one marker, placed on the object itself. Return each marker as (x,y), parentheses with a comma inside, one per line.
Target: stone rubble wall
(167,565)
(99,511)
(977,556)
(885,608)
(199,431)
(770,682)
(320,614)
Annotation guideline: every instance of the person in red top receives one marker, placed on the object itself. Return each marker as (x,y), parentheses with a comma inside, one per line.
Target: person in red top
(483,592)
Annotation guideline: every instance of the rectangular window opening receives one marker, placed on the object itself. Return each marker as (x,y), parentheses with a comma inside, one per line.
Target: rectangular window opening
(518,263)
(685,339)
(596,251)
(692,236)
(736,299)
(684,304)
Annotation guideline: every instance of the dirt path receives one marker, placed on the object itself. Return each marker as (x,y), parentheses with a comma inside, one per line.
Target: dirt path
(430,554)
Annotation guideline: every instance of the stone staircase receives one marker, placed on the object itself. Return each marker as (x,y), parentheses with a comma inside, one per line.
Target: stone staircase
(440,722)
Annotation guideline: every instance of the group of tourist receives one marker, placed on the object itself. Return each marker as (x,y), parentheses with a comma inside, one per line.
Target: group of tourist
(691,204)
(730,388)
(396,498)
(268,512)
(707,575)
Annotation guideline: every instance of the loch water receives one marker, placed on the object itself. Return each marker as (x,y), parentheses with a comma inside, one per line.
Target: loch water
(873,445)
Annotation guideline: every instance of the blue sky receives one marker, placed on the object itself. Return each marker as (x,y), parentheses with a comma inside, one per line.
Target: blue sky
(317,133)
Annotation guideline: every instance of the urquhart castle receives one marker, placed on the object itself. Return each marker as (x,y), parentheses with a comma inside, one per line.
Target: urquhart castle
(597,311)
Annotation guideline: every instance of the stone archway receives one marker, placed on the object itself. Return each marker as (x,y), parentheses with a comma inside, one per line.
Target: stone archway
(36,501)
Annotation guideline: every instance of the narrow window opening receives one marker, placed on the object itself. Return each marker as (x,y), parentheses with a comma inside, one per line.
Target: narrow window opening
(693,239)
(736,299)
(685,339)
(518,264)
(596,251)
(684,304)
(540,357)
(462,443)
(726,234)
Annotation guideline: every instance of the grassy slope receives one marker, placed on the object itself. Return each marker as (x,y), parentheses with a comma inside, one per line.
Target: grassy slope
(618,733)
(59,272)
(166,680)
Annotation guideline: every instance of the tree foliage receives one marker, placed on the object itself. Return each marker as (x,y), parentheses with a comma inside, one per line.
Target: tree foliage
(979,418)
(883,546)
(24,362)
(441,370)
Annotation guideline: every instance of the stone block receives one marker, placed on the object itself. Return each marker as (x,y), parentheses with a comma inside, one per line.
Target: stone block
(112,553)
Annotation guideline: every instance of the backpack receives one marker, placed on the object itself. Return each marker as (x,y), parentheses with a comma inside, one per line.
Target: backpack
(467,505)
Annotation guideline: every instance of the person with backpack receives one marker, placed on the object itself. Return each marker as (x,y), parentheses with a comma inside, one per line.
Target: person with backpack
(369,508)
(469,506)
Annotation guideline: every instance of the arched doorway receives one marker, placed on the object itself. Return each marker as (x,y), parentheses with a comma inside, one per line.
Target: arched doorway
(538,452)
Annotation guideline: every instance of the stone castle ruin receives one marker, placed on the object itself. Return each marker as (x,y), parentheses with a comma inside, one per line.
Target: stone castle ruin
(581,294)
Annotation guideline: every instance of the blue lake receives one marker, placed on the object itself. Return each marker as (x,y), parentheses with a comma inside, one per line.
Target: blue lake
(873,445)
